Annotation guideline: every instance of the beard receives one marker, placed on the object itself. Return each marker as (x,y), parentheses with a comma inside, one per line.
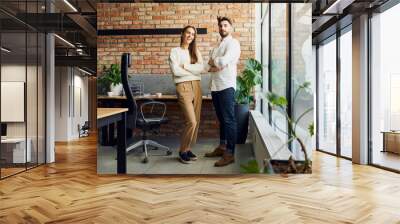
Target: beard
(223,34)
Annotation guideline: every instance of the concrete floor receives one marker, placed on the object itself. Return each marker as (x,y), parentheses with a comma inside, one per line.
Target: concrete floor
(160,163)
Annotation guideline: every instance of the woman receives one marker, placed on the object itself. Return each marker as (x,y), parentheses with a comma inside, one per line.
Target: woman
(187,64)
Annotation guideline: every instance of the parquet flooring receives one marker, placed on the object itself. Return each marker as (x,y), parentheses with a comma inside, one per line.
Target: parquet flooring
(70,191)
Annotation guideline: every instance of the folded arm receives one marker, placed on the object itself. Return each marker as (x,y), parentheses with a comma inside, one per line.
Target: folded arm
(177,69)
(196,68)
(232,55)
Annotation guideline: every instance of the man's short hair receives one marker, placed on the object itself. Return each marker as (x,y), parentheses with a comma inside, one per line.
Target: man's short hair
(223,18)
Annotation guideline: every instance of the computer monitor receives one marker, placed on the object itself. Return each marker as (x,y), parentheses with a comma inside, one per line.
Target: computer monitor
(3,130)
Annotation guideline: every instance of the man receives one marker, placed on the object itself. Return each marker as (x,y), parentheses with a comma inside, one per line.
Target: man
(223,66)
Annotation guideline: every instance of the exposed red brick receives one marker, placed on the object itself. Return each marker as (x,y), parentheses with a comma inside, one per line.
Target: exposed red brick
(169,15)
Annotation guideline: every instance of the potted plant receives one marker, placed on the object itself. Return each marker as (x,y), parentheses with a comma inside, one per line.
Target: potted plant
(251,76)
(280,103)
(111,80)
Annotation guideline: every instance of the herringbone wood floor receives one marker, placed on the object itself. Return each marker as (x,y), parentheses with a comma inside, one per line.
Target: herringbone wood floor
(69,191)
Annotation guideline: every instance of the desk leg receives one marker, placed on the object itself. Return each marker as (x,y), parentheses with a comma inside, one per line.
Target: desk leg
(111,128)
(103,134)
(384,143)
(121,145)
(107,135)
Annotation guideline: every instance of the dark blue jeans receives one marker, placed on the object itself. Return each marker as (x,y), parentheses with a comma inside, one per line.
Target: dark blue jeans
(224,104)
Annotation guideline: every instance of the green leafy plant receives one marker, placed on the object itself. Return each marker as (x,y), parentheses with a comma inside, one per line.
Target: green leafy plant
(251,76)
(280,103)
(110,76)
(250,167)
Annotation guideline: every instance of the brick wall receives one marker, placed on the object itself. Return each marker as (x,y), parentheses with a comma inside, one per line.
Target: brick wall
(150,52)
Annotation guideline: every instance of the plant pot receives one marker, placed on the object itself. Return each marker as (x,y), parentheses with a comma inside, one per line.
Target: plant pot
(109,93)
(242,122)
(116,89)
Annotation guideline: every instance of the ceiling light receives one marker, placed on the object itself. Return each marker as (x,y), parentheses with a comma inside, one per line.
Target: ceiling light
(5,50)
(65,41)
(84,71)
(70,5)
(337,7)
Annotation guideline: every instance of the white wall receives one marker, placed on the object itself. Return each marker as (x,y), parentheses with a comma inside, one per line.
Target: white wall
(71,102)
(14,72)
(61,103)
(80,98)
(17,73)
(33,106)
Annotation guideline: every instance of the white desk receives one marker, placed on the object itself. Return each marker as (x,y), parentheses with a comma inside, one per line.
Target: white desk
(18,150)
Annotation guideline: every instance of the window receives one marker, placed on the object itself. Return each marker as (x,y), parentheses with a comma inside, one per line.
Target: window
(302,71)
(278,69)
(281,73)
(385,88)
(265,55)
(346,93)
(327,96)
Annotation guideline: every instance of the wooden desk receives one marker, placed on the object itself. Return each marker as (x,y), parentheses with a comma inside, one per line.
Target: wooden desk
(107,112)
(208,121)
(107,116)
(151,97)
(391,141)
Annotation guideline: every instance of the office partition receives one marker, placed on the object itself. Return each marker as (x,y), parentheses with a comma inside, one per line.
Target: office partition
(22,78)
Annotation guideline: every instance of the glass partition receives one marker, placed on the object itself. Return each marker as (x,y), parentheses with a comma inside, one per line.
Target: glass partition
(22,87)
(31,97)
(41,97)
(15,150)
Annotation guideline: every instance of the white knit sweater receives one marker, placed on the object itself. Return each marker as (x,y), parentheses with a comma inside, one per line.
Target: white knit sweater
(182,70)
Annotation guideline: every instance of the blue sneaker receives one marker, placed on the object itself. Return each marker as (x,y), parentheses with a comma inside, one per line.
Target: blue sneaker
(191,156)
(184,158)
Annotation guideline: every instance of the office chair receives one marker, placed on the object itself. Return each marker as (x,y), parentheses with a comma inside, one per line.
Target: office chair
(84,129)
(150,118)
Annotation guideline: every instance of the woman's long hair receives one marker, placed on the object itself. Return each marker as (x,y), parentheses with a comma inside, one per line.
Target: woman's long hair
(192,45)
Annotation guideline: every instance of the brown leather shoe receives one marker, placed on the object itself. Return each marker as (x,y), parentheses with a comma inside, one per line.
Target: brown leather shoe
(226,159)
(216,153)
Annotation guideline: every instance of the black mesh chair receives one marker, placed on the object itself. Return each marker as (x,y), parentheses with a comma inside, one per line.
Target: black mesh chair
(150,118)
(83,130)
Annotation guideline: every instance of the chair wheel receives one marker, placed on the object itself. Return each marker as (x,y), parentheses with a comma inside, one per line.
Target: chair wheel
(145,160)
(169,153)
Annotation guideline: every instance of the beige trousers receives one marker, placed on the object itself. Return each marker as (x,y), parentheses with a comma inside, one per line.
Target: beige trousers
(189,100)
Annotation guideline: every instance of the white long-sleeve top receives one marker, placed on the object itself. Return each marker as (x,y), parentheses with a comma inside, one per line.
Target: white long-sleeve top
(225,56)
(182,69)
